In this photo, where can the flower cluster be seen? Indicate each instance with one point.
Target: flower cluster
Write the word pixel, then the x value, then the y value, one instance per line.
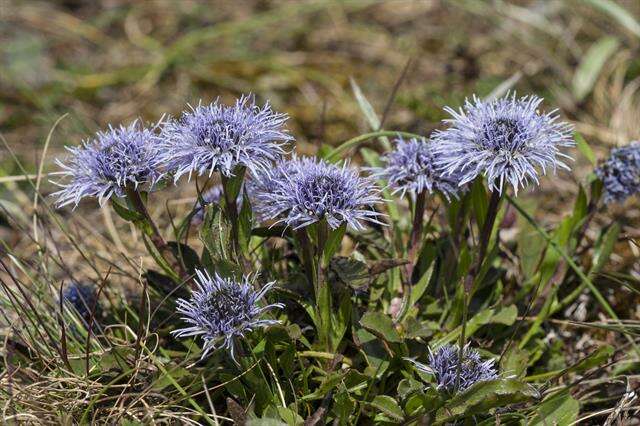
pixel 221 310
pixel 507 140
pixel 620 173
pixel 220 138
pixel 205 139
pixel 106 165
pixel 302 191
pixel 411 167
pixel 444 365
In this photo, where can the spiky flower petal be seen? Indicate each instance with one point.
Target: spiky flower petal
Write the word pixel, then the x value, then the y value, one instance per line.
pixel 507 140
pixel 443 364
pixel 218 137
pixel 302 191
pixel 105 165
pixel 411 167
pixel 620 173
pixel 222 310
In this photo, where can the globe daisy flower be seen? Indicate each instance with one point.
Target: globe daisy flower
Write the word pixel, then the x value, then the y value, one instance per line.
pixel 443 365
pixel 411 168
pixel 620 173
pixel 222 310
pixel 302 191
pixel 217 137
pixel 507 140
pixel 108 163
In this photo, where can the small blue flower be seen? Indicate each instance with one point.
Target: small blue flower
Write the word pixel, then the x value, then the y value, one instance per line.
pixel 299 192
pixel 221 310
pixel 105 165
pixel 507 140
pixel 82 297
pixel 620 173
pixel 443 364
pixel 217 137
pixel 411 167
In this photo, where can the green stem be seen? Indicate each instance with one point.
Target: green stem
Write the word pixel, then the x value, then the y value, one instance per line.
pixel 483 244
pixel 416 232
pixel 154 233
pixel 231 210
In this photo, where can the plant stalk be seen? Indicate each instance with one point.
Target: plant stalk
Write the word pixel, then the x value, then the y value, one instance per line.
pixel 133 195
pixel 483 244
pixel 416 233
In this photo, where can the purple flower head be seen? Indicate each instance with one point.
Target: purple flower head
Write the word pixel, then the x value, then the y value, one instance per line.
pixel 221 310
pixel 507 140
pixel 299 192
pixel 620 173
pixel 218 137
pixel 412 168
pixel 443 364
pixel 103 166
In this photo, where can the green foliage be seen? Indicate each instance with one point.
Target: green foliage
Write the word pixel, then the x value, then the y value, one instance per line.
pixel 353 312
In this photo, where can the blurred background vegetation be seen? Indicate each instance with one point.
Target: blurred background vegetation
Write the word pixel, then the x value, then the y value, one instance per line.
pixel 112 61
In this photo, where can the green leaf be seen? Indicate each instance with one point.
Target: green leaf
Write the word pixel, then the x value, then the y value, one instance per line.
pixel 334 241
pixel 328 383
pixel 233 184
pixel 126 213
pixel 479 201
pixel 365 106
pixel 186 255
pixel 349 271
pixel 340 320
pixel 343 406
pixel 585 149
pixel 484 396
pixel 591 65
pixel 618 13
pixel 604 247
pixel 514 362
pixel 558 410
pixel 506 315
pixel 381 325
pixel 421 286
pixel 245 222
pixel 375 353
pixel 594 359
pixel 388 406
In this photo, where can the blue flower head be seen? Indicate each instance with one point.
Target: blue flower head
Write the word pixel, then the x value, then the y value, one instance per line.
pixel 507 140
pixel 302 191
pixel 620 173
pixel 82 297
pixel 411 167
pixel 443 364
pixel 105 165
pixel 221 310
pixel 218 137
